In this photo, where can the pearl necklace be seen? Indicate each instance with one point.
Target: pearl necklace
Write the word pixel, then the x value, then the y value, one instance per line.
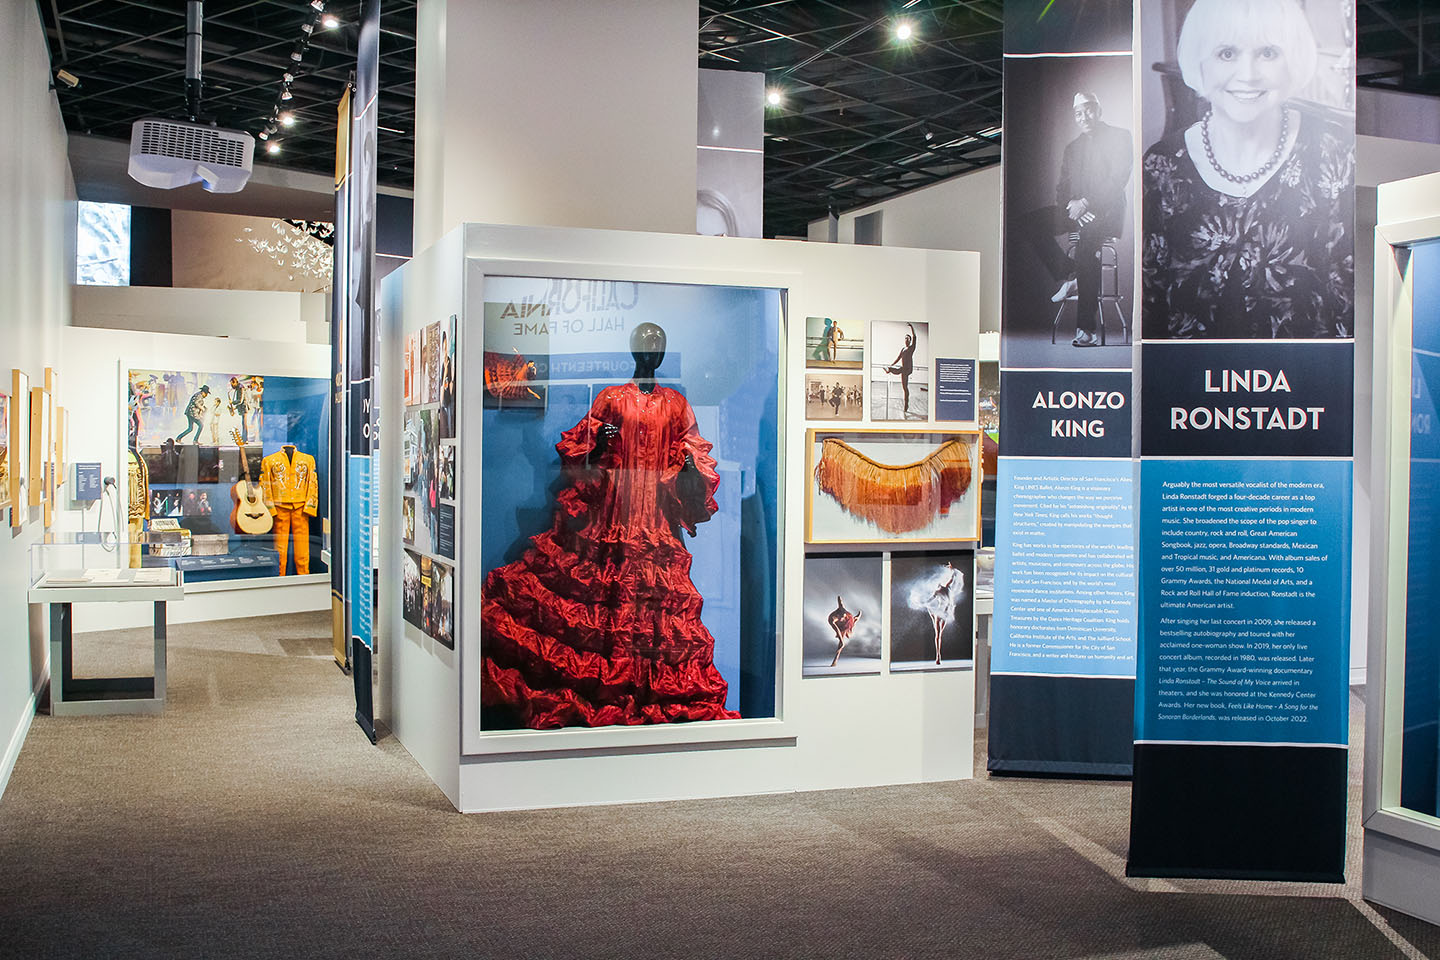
pixel 1257 174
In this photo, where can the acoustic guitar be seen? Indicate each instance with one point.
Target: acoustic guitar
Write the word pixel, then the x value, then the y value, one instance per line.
pixel 249 514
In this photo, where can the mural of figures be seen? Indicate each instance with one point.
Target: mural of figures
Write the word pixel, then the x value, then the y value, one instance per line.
pixel 193 408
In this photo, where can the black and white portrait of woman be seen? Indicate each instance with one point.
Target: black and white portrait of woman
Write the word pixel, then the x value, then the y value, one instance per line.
pixel 1248 188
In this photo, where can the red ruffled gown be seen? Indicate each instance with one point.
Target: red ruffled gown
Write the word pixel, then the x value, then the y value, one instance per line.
pixel 598 623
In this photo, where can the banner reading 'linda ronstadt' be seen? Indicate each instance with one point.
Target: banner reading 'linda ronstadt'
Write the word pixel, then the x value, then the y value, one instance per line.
pixel 1061 688
pixel 1247 320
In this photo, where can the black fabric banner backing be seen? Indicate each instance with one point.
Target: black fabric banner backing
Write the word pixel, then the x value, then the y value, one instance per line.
pixel 1061 680
pixel 1246 424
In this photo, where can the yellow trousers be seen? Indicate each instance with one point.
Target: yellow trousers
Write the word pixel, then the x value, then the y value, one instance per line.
pixel 137 530
pixel 291 518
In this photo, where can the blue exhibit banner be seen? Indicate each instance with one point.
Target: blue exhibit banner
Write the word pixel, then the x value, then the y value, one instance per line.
pixel 359 591
pixel 954 389
pixel 1068 575
pixel 1245 602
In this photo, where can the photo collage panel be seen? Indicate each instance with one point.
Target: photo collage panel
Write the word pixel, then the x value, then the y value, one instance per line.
pixel 428 505
pixel 894 480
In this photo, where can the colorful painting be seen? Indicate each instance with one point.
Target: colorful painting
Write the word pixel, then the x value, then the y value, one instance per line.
pixel 202 409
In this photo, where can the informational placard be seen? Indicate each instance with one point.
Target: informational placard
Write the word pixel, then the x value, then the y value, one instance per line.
pixel 1063 648
pixel 954 389
pixel 1069 573
pixel 1247 603
pixel 87 482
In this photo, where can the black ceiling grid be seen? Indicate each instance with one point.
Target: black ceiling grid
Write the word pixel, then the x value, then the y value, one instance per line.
pixel 130 58
pixel 863 116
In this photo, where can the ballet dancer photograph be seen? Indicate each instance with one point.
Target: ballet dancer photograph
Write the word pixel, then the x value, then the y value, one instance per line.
pixel 932 611
pixel 841 633
pixel 899 370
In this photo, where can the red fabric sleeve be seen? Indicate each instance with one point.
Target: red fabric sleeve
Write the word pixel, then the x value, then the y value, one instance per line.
pixel 575 448
pixel 688 442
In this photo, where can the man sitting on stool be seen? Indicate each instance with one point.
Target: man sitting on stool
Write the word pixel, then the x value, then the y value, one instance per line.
pixel 1090 202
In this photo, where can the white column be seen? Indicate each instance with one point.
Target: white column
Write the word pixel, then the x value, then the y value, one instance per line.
pixel 557 113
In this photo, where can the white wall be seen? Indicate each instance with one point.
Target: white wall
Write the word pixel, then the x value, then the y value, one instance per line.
pixel 269 315
pixel 37 257
pixel 91 392
pixel 962 213
pixel 419 679
pixel 567 112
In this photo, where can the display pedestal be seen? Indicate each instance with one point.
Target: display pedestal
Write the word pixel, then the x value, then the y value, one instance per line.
pixel 72 696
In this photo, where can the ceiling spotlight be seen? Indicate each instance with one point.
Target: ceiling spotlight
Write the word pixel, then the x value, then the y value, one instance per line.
pixel 904 31
pixel 296 55
pixel 772 96
pixel 264 135
pixel 286 94
pixel 319 5
pixel 288 77
pixel 287 119
pixel 330 21
pixel 307 28
pixel 273 146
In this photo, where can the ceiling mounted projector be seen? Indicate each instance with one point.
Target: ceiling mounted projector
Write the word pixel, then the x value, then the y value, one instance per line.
pixel 171 153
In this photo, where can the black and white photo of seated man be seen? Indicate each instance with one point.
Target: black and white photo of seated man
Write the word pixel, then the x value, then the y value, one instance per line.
pixel 1089 212
pixel 1067 126
pixel 1249 185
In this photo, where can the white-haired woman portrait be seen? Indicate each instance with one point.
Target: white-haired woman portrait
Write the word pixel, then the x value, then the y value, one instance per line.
pixel 1248 213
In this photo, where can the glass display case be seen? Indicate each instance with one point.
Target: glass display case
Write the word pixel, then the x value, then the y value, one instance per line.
pixel 1402 725
pixel 76 560
pixel 233 461
pixel 629 535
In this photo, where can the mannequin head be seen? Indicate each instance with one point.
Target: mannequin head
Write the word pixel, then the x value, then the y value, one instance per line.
pixel 647 346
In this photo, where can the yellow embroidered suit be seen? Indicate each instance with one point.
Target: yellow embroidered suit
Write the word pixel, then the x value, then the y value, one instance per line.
pixel 291 487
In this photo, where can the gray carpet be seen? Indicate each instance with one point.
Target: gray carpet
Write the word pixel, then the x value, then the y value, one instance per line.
pixel 253 819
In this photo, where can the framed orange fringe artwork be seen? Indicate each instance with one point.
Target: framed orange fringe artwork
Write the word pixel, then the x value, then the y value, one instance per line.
pixel 879 486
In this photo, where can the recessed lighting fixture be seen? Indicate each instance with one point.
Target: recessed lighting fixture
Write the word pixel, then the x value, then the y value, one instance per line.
pixel 287 119
pixel 273 146
pixel 330 21
pixel 904 31
pixel 772 96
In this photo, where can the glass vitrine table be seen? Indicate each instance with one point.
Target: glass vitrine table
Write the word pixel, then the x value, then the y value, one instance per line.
pixel 83 568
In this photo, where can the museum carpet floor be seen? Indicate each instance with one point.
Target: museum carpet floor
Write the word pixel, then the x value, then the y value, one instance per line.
pixel 253 819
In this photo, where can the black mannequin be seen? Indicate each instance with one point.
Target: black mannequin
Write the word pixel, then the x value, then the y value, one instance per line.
pixel 647 346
